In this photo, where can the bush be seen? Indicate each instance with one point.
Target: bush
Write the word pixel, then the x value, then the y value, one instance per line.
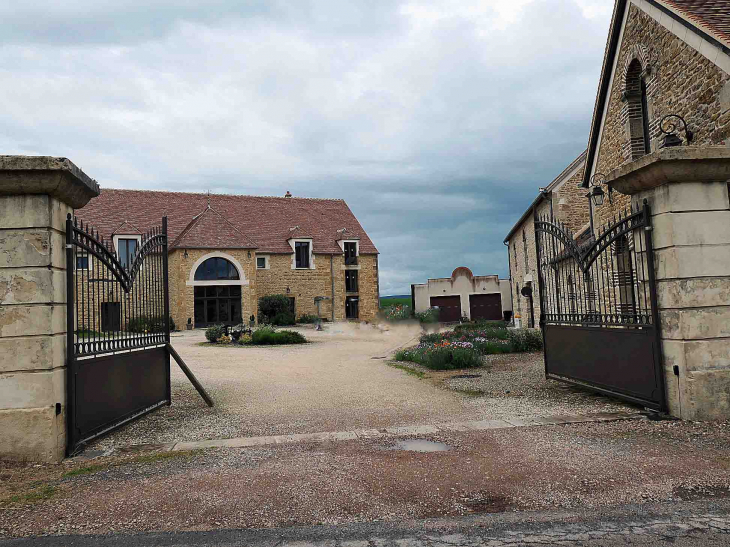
pixel 398 312
pixel 282 319
pixel 275 307
pixel 431 315
pixel 214 332
pixel 441 358
pixel 308 319
pixel 149 323
pixel 525 339
pixel 266 336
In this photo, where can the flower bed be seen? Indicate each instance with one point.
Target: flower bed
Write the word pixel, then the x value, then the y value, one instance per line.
pixel 464 346
pixel 262 336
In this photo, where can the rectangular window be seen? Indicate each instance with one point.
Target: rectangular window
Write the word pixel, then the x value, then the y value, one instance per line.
pixel 351 307
pixel 524 249
pixel 261 262
pixel 126 251
pixel 350 253
pixel 82 261
pixel 351 280
pixel 301 250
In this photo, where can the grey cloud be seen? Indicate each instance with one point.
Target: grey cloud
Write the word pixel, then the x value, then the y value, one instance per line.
pixel 436 134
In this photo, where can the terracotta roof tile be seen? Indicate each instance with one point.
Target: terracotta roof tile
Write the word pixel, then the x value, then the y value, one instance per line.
pixel 264 221
pixel 710 15
pixel 211 229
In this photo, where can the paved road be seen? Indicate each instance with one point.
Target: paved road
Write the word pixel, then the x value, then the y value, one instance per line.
pixel 678 524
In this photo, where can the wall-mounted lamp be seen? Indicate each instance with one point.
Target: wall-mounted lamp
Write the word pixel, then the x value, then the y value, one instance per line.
pixel 249 254
pixel 668 126
pixel 288 290
pixel 185 254
pixel 596 193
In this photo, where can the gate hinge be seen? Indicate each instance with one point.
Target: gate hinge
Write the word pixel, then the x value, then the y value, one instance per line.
pixel 69 245
pixel 647 228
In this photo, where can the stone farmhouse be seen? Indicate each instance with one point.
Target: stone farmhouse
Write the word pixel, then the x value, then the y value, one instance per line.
pixel 227 251
pixel 659 138
pixel 565 200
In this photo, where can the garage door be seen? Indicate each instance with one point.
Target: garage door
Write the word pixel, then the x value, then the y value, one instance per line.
pixel 449 308
pixel 485 306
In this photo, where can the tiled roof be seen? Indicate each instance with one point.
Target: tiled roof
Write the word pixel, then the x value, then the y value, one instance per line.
pixel 713 16
pixel 263 221
pixel 211 229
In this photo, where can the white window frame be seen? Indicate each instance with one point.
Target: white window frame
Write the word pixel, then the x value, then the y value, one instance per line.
pixel 266 262
pixel 292 243
pixel 191 282
pixel 79 253
pixel 117 237
pixel 357 249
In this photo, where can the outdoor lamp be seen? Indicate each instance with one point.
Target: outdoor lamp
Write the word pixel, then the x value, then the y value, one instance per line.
pixel 597 196
pixel 669 125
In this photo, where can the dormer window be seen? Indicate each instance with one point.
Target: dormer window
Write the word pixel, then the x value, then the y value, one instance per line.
pixel 127 247
pixel 301 252
pixel 350 253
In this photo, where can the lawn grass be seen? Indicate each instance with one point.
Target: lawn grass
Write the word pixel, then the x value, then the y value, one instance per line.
pixel 387 301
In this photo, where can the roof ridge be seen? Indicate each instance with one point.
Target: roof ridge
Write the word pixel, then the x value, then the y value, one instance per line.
pixel 199 217
pixel 205 194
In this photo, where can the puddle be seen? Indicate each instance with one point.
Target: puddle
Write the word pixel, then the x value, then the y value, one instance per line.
pixel 420 445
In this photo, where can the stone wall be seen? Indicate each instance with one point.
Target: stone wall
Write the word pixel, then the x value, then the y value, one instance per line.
pixel 691 237
pixel 305 285
pixel 32 327
pixel 680 81
pixel 570 204
pixel 182 303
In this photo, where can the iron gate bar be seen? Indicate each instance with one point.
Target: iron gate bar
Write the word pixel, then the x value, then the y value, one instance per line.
pixel 118 367
pixel 594 302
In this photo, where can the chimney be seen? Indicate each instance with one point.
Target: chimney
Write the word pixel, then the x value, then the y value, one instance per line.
pixel 288 194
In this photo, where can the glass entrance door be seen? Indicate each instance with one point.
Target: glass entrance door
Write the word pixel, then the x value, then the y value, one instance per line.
pixel 218 304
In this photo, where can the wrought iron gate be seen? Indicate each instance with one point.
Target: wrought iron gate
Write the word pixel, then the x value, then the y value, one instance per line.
pixel 598 308
pixel 118 330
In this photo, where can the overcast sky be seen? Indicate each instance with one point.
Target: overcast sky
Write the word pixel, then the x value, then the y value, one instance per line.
pixel 435 120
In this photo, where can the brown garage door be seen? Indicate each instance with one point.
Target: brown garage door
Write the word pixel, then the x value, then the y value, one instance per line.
pixel 449 308
pixel 485 306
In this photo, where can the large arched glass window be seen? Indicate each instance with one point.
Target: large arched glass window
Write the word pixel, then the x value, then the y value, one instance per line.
pixel 216 269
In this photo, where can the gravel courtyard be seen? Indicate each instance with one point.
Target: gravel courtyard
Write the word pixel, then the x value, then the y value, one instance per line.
pixel 342 381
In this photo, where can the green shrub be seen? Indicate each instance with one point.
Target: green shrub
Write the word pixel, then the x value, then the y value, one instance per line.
pixel 431 315
pixel 266 336
pixel 525 339
pixel 441 358
pixel 308 319
pixel 282 319
pixel 214 332
pixel 273 306
pixel 149 323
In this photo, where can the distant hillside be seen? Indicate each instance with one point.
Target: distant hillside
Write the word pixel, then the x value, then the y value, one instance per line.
pixel 395 300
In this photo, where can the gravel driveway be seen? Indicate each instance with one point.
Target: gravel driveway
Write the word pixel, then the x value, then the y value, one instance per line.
pixel 341 381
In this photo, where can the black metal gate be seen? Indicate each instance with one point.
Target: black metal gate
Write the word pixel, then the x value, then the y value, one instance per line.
pixel 598 307
pixel 118 330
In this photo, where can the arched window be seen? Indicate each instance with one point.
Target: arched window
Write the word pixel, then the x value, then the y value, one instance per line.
pixel 216 269
pixel 638 122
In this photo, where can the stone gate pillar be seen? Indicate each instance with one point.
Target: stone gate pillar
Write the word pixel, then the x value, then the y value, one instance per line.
pixel 687 189
pixel 36 193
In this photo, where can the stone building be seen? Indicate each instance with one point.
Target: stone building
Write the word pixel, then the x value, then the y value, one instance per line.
pixel 463 295
pixel 660 136
pixel 566 201
pixel 227 251
pixel 667 58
